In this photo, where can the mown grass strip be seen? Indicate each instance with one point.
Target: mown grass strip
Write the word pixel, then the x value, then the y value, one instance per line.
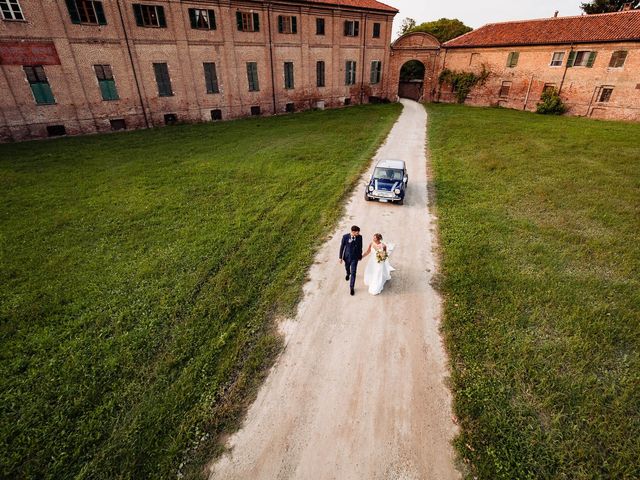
pixel 540 233
pixel 141 274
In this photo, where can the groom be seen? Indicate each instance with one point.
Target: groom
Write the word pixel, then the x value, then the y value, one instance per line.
pixel 351 254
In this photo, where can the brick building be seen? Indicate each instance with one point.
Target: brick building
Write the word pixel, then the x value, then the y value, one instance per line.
pixel 82 66
pixel 593 60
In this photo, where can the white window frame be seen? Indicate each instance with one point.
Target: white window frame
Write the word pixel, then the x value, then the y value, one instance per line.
pixel 11 10
pixel 554 61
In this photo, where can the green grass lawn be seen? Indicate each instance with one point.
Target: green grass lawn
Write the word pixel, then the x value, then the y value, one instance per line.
pixel 540 237
pixel 141 273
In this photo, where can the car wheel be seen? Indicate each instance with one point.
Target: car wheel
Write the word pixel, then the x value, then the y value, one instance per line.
pixel 401 201
pixel 366 197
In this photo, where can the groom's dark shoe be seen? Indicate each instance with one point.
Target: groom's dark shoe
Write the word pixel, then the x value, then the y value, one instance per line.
pixel 353 292
pixel 347 278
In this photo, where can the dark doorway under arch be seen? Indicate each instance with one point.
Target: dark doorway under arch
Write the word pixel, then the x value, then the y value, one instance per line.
pixel 412 80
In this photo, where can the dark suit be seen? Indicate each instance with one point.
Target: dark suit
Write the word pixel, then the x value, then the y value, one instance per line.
pixel 351 254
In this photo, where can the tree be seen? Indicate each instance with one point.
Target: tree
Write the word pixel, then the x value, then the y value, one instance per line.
pixel 607 6
pixel 444 29
pixel 407 25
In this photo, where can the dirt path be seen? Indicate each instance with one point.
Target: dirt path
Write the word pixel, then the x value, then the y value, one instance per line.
pixel 359 391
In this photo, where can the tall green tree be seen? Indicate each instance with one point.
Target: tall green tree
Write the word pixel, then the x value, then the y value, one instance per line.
pixel 607 6
pixel 444 29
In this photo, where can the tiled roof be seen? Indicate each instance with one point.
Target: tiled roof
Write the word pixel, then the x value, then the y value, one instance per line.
pixel 605 27
pixel 364 4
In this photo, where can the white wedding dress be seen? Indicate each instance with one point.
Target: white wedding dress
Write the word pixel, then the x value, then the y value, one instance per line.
pixel 376 274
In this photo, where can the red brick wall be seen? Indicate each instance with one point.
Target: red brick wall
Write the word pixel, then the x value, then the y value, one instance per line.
pixel 580 86
pixel 79 105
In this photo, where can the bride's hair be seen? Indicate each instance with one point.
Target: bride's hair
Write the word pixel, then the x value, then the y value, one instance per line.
pixel 378 237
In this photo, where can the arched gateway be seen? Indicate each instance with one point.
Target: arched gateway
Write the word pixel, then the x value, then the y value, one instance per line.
pixel 414 58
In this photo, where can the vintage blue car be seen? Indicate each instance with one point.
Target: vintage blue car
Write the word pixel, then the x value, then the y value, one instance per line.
pixel 388 182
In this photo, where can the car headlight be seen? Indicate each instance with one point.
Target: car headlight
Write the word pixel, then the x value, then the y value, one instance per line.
pixel 371 188
pixel 397 191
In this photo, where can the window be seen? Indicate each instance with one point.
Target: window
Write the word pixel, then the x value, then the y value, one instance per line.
pixel 149 16
pixel 556 59
pixel 376 72
pixel 351 28
pixel 87 12
pixel 216 114
pixel 618 58
pixel 162 79
pixel 255 111
pixel 376 30
pixel 106 82
pixel 350 73
pixel 248 22
pixel 287 24
pixel 118 124
pixel 252 76
pixel 39 85
pixel 11 10
pixel 211 77
pixel 202 19
pixel 320 82
pixel 548 87
pixel 605 94
pixel 288 75
pixel 319 26
pixel 505 89
pixel 56 130
pixel 512 59
pixel 290 107
pixel 583 58
pixel 170 118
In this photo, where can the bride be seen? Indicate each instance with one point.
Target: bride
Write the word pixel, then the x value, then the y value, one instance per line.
pixel 378 270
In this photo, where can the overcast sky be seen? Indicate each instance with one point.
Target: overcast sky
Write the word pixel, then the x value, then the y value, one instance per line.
pixel 476 13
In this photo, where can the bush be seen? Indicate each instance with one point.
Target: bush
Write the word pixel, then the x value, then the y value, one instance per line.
pixel 463 82
pixel 551 103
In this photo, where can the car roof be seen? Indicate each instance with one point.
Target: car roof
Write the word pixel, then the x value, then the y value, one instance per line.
pixel 391 164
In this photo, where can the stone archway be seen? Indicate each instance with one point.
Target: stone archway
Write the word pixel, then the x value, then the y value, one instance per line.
pixel 419 47
pixel 411 83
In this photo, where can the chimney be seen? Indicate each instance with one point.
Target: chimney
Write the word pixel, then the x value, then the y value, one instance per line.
pixel 627 6
pixel 555 15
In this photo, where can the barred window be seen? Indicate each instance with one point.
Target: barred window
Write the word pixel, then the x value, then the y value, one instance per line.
pixel 605 94
pixel 288 76
pixel 252 76
pixel 11 10
pixel 320 81
pixel 505 88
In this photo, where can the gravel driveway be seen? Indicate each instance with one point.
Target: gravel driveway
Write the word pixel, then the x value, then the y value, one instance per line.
pixel 359 392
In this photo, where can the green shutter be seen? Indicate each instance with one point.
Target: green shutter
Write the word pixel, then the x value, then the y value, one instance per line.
pixel 592 59
pixel 73 11
pixel 280 24
pixel 102 20
pixel 239 20
pixel 192 18
pixel 162 21
pixel 516 56
pixel 572 59
pixel 256 22
pixel 108 90
pixel 346 28
pixel 372 78
pixel 212 19
pixel 42 93
pixel 137 12
pixel 294 24
pixel 356 28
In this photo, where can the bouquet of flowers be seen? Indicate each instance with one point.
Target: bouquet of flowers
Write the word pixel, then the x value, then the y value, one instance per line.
pixel 381 255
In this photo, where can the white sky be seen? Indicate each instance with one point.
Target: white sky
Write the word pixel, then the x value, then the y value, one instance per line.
pixel 476 13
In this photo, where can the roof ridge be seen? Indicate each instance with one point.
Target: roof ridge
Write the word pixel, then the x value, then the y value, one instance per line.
pixel 545 19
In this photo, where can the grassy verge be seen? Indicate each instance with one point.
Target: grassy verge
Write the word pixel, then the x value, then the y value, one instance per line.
pixel 141 273
pixel 539 221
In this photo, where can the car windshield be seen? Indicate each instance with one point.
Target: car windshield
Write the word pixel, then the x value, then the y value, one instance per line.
pixel 388 174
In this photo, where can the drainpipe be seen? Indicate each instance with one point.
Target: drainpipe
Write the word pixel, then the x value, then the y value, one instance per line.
pixel 133 67
pixel 273 73
pixel 594 95
pixel 364 52
pixel 564 74
pixel 526 100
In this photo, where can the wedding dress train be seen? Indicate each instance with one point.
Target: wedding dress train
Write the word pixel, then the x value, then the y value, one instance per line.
pixel 377 273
